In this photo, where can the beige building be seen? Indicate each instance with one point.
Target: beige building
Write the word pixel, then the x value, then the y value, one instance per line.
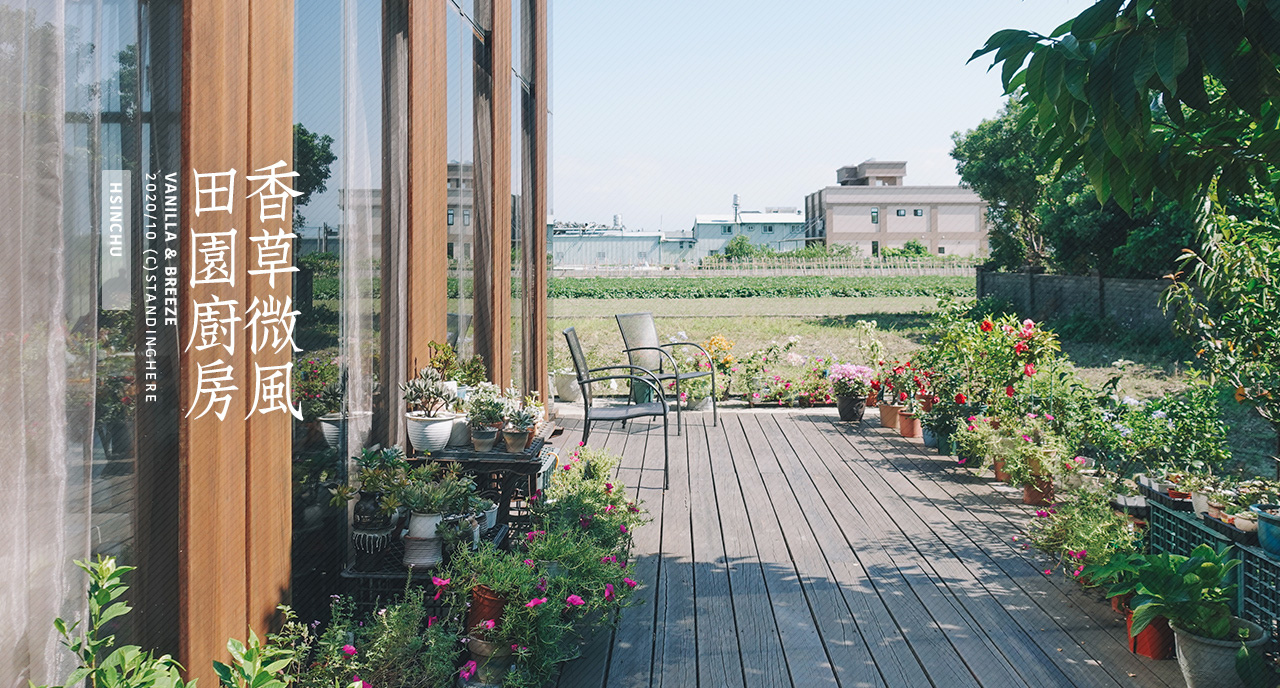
pixel 873 210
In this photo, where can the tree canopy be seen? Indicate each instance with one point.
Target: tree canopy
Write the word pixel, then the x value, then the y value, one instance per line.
pixel 312 157
pixel 1180 97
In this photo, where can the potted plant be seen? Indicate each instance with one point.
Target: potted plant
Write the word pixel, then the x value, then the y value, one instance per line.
pixel 1268 526
pixel 486 513
pixel 1031 452
pixel 485 409
pixel 381 474
pixel 851 385
pixel 470 374
pixel 908 423
pixel 521 421
pixel 429 420
pixel 430 494
pixel 333 422
pixel 566 385
pixel 1120 574
pixel 1191 592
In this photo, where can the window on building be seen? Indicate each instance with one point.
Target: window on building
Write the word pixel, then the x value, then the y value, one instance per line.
pixel 875 216
pixel 875 248
pixel 942 250
pixel 559 256
pixel 642 255
pixel 918 212
pixel 768 229
pixel 726 230
pixel 451 217
pixel 449 250
pixel 466 217
pixel 600 254
pixel 902 212
pixel 466 251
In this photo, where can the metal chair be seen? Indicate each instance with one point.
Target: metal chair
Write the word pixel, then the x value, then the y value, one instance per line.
pixel 636 375
pixel 640 337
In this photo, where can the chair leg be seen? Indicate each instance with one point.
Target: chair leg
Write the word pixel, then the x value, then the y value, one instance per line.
pixel 666 455
pixel 586 431
pixel 679 424
pixel 715 418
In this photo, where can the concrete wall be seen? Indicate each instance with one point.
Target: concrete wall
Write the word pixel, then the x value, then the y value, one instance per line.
pixel 1127 302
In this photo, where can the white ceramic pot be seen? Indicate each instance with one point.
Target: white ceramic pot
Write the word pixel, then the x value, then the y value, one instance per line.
pixel 423 525
pixel 429 434
pixel 1199 503
pixel 1246 521
pixel 331 426
pixel 567 387
pixel 491 518
pixel 422 552
pixel 1208 663
pixel 460 435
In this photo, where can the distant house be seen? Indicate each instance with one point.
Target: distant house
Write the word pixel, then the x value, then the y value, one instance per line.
pixel 580 245
pixel 781 229
pixel 872 209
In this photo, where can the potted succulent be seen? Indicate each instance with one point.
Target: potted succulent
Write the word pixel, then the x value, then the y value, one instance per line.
pixel 852 386
pixel 521 421
pixel 485 408
pixel 430 494
pixel 470 374
pixel 381 474
pixel 429 419
pixel 332 420
pixel 1191 592
pixel 486 513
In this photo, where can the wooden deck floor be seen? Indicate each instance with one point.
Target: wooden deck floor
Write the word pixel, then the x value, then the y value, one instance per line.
pixel 791 550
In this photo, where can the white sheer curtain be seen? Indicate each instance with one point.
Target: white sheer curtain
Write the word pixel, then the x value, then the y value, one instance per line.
pixel 44 505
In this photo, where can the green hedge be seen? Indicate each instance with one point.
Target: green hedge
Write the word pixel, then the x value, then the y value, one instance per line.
pixel 755 287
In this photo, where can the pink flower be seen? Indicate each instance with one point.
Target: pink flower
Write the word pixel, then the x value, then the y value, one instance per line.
pixel 608 592
pixel 961 461
pixel 355 680
pixel 623 529
pixel 1041 513
pixel 533 535
pixel 574 600
pixel 1048 571
pixel 489 624
pixel 1028 324
pixel 971 428
pixel 431 620
pixel 468 670
pixel 535 602
pixel 609 507
pixel 441 584
pixel 1029 369
pixel 1026 438
pixel 608 487
pixel 1009 391
pixel 630 583
pixel 568 466
pixel 529 563
pixel 349 650
pixel 542 585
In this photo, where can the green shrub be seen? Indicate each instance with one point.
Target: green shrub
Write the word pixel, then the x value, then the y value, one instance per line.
pixel 756 287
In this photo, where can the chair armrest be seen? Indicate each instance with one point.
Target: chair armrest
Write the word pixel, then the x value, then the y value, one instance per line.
pixel 696 346
pixel 660 350
pixel 645 371
pixel 634 378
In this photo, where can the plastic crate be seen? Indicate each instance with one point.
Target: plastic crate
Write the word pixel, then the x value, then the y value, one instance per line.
pixel 1260 588
pixel 1158 497
pixel 1235 534
pixel 1177 532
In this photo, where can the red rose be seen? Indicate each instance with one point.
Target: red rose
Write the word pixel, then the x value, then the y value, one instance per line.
pixel 1029 370
pixel 1019 348
pixel 961 399
pixel 875 384
pixel 1008 391
pixel 987 326
pixel 902 396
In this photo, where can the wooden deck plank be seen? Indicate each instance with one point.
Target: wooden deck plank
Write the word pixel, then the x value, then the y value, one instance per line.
pixel 631 663
pixel 994 518
pixel 760 645
pixel 802 644
pixel 893 656
pixel 846 649
pixel 719 660
pixel 949 555
pixel 933 642
pixel 675 654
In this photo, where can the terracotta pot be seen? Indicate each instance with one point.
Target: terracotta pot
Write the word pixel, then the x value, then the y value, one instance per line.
pixel 1039 494
pixel 485 605
pixel 998 465
pixel 908 424
pixel 926 402
pixel 888 416
pixel 1155 641
pixel 1120 603
pixel 871 400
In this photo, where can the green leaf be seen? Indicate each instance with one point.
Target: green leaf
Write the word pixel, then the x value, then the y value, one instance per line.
pixel 1143 616
pixel 1170 57
pixel 117 609
pixel 999 40
pixel 1090 22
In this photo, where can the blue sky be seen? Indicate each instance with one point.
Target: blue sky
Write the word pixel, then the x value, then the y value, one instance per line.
pixel 664 109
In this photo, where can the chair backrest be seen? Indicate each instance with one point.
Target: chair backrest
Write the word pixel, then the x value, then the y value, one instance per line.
pixel 638 329
pixel 579 363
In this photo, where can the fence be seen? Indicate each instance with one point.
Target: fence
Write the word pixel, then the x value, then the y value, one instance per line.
pixel 1127 302
pixel 958 266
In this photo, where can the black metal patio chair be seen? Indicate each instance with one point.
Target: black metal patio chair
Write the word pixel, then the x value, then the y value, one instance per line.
pixel 612 414
pixel 640 337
